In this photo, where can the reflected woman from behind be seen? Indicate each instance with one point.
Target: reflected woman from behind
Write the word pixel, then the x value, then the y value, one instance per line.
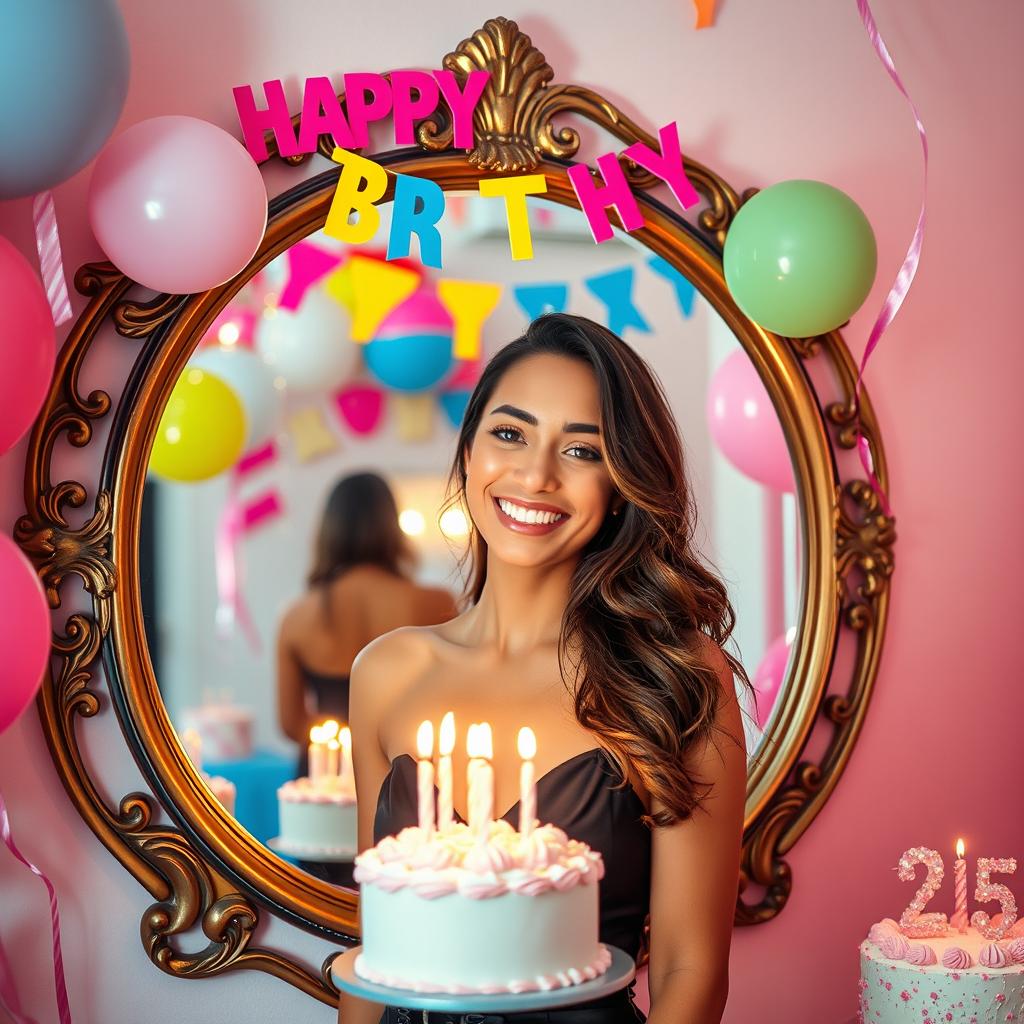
pixel 359 587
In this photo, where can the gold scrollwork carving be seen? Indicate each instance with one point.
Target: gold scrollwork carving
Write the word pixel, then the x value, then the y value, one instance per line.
pixel 848 564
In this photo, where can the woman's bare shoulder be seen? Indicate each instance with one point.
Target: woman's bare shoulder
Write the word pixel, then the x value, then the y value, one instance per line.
pixel 389 663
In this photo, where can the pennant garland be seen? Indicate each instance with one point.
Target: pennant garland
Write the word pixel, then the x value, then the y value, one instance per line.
pixel 537 299
pixel 307 264
pixel 469 303
pixel 615 290
pixel 311 436
pixel 414 416
pixel 686 293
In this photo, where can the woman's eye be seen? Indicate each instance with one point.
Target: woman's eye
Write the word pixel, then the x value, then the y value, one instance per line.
pixel 587 452
pixel 500 432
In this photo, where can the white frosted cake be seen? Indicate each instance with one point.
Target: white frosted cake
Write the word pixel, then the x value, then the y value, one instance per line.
pixel 317 820
pixel 456 913
pixel 223 789
pixel 962 976
pixel 225 730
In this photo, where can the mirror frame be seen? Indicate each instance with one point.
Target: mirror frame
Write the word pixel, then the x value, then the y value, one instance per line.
pixel 203 868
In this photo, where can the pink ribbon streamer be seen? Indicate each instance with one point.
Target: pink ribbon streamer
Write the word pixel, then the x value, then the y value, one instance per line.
pixel 51 263
pixel 905 277
pixel 231 607
pixel 7 992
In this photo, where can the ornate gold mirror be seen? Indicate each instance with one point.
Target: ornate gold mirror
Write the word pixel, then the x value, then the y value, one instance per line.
pixel 202 866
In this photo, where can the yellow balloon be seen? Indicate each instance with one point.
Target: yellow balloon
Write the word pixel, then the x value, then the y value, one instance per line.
pixel 202 430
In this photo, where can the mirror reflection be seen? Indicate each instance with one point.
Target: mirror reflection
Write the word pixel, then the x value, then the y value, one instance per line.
pixel 313 517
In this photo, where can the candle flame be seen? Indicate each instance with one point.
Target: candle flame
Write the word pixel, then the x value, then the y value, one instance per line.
pixel 479 742
pixel 527 744
pixel 316 734
pixel 447 739
pixel 425 740
pixel 345 738
pixel 329 729
pixel 960 849
pixel 332 744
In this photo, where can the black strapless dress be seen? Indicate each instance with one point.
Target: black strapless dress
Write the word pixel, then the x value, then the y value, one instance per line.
pixel 579 797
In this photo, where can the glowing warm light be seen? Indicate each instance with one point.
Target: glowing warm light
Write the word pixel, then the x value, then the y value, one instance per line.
pixel 228 334
pixel 270 299
pixel 527 744
pixel 315 735
pixel 446 742
pixel 411 522
pixel 453 523
pixel 960 849
pixel 329 729
pixel 270 312
pixel 425 740
pixel 345 738
pixel 479 742
pixel 195 376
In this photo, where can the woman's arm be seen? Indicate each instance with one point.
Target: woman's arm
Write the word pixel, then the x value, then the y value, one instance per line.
pixel 291 693
pixel 695 878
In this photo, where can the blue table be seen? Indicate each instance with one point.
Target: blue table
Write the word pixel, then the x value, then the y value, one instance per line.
pixel 257 780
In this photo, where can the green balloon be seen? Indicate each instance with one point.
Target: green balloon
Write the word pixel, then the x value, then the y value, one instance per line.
pixel 800 258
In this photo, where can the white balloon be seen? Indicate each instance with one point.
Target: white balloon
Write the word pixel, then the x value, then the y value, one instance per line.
pixel 250 378
pixel 309 349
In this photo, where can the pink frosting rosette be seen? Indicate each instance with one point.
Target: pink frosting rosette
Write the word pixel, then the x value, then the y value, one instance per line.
pixel 920 955
pixel 1015 950
pixel 956 959
pixel 879 930
pixel 894 946
pixel 487 858
pixel 993 955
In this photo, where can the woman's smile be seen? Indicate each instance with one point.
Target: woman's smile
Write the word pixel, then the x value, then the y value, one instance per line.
pixel 532 519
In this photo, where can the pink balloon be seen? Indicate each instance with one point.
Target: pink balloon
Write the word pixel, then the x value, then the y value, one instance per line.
pixel 24 632
pixel 234 325
pixel 421 313
pixel 745 425
pixel 177 204
pixel 28 345
pixel 771 674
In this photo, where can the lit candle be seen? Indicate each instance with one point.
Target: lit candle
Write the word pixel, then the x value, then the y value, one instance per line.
pixel 332 764
pixel 425 776
pixel 445 800
pixel 472 796
pixel 959 918
pixel 485 781
pixel 193 744
pixel 527 781
pixel 317 754
pixel 348 777
pixel 329 730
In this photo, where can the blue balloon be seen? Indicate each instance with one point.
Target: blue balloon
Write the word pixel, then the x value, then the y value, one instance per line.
pixel 63 80
pixel 454 404
pixel 410 362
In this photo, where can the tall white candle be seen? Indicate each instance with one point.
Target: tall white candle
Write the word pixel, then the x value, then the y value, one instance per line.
pixel 348 778
pixel 317 755
pixel 473 776
pixel 445 798
pixel 527 781
pixel 425 776
pixel 332 764
pixel 485 781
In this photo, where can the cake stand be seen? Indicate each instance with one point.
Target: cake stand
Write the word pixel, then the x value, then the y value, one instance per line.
pixel 309 853
pixel 619 974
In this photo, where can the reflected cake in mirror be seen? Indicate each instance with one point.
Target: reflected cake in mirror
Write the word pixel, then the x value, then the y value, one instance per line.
pixel 317 812
pixel 224 729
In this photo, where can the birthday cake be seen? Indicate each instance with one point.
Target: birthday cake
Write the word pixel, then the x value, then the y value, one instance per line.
pixel 316 820
pixel 317 813
pixel 225 730
pixel 930 970
pixel 504 913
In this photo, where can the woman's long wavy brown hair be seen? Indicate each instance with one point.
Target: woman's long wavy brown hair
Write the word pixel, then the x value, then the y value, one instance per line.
pixel 642 600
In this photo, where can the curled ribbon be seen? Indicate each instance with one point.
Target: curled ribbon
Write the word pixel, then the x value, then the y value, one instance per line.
pixel 7 992
pixel 905 277
pixel 51 262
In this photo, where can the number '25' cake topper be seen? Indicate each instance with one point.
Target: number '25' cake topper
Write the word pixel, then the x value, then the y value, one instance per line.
pixel 419 203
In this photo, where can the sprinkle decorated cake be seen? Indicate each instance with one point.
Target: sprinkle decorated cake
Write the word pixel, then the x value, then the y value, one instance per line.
pixel 930 970
pixel 505 913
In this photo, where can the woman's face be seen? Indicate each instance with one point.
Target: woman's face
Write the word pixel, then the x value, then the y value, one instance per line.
pixel 537 483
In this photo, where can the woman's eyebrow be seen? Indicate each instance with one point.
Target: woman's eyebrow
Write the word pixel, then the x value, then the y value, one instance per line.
pixel 526 417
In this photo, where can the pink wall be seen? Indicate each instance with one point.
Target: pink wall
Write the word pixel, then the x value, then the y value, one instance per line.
pixel 787 89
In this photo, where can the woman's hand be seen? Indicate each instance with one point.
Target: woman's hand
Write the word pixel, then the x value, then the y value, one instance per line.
pixel 695 877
